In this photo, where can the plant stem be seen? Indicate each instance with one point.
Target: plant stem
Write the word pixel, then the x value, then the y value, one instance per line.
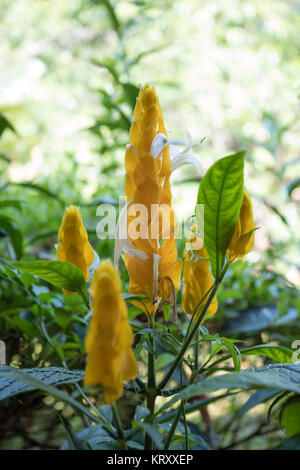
pixel 188 339
pixel 173 428
pixel 117 420
pixel 196 349
pixel 151 392
pixel 191 335
pixel 185 425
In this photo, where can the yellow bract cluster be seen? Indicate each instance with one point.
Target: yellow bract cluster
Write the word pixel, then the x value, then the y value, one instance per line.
pixel 243 236
pixel 148 183
pixel 73 245
pixel 198 280
pixel 197 276
pixel 108 342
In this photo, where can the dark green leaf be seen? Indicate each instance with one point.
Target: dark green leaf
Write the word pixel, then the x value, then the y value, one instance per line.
pixel 275 376
pixel 291 417
pixel 259 318
pixel 14 381
pixel 5 124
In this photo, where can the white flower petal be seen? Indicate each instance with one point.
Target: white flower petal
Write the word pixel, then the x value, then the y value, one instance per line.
pixel 173 151
pixel 133 253
pixel 159 142
pixel 185 159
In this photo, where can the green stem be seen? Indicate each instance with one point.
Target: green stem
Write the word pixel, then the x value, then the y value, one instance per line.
pixel 191 335
pixel 173 428
pixel 188 339
pixel 196 350
pixel 185 425
pixel 117 420
pixel 151 392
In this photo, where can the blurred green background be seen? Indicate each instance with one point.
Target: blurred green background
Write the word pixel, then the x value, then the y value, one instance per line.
pixel 69 76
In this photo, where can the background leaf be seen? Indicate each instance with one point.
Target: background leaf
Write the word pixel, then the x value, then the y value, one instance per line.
pixel 11 379
pixel 59 273
pixel 274 376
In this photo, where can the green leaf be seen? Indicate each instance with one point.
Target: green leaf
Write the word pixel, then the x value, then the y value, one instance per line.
pixel 273 351
pixel 278 353
pixel 14 381
pixel 261 396
pixel 292 443
pixel 164 360
pixel 141 413
pixel 37 187
pixel 275 376
pixel 94 437
pixel 259 318
pixel 291 418
pixel 16 239
pixel 293 185
pixel 5 124
pixel 221 192
pixel 153 432
pixel 28 328
pixel 16 203
pixel 131 92
pixel 75 443
pixel 61 274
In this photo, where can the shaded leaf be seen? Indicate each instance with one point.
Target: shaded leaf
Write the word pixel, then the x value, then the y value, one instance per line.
pixel 275 376
pixel 259 318
pixel 61 274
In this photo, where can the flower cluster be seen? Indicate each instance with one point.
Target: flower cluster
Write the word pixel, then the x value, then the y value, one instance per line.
pixel 153 267
pixel 73 245
pixel 108 342
pixel 197 279
pixel 151 261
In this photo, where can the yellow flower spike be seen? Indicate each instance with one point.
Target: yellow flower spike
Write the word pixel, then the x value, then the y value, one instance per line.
pixel 242 241
pixel 198 280
pixel 73 245
pixel 108 343
pixel 148 182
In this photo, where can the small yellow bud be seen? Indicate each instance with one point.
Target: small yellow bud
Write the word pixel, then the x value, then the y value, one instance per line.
pixel 243 237
pixel 108 342
pixel 198 280
pixel 73 245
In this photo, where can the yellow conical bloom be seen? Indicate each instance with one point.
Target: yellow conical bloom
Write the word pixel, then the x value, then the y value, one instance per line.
pixel 242 241
pixel 108 342
pixel 73 245
pixel 148 169
pixel 198 280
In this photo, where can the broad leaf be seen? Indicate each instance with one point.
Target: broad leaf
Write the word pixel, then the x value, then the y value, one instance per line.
pixel 94 437
pixel 273 351
pixel 259 318
pixel 275 376
pixel 221 192
pixel 292 443
pixel 11 379
pixel 261 396
pixel 291 417
pixel 59 273
pixel 14 381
